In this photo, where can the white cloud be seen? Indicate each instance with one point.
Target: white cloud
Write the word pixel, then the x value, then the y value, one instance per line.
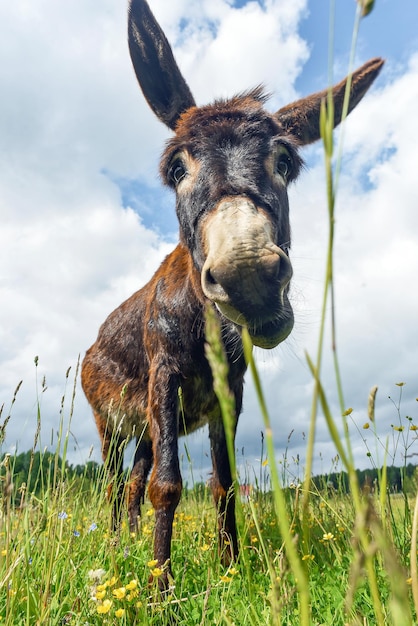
pixel 69 252
pixel 216 31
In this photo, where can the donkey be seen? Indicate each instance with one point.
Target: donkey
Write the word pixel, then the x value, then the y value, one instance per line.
pixel 229 164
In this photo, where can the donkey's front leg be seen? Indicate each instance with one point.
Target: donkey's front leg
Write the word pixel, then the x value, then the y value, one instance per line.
pixel 223 492
pixel 165 482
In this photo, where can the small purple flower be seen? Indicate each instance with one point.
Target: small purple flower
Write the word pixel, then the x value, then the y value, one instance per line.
pixel 62 515
pixel 76 533
pixel 92 527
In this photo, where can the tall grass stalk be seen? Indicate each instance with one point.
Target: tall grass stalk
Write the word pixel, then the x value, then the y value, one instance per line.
pixel 326 127
pixel 414 548
pixel 344 448
pixel 216 356
pixel 301 578
pixel 218 362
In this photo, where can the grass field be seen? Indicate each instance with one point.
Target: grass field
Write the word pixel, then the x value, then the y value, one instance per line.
pixel 60 564
pixel 310 553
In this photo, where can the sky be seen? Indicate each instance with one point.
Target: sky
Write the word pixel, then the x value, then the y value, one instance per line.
pixel 84 220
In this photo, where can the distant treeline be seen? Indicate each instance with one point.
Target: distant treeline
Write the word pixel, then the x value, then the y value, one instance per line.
pixel 34 473
pixel 399 479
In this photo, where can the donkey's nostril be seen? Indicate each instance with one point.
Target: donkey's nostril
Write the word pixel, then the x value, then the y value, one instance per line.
pixel 210 280
pixel 211 286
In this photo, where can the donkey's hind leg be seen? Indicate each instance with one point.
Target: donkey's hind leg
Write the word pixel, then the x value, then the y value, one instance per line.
pixel 138 481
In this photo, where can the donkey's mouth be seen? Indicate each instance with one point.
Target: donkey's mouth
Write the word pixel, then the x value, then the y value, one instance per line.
pixel 268 326
pixel 270 334
pixel 267 334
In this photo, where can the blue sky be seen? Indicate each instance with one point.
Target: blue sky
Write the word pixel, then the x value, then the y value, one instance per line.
pixel 389 31
pixel 85 221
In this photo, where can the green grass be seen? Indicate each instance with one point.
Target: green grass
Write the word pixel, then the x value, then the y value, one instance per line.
pixel 60 564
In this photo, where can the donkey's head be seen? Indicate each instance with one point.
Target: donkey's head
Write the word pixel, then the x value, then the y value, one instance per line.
pixel 230 164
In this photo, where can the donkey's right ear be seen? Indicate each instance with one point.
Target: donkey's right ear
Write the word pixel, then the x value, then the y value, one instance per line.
pixel 157 72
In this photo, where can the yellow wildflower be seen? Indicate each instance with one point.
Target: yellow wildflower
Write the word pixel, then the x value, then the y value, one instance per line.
pixel 156 572
pixel 132 595
pixel 120 612
pixel 132 585
pixel 226 579
pixel 205 547
pixel 119 593
pixel 366 425
pixel 327 536
pixel 100 594
pixel 150 512
pixel 104 607
pixel 413 427
pixel 152 563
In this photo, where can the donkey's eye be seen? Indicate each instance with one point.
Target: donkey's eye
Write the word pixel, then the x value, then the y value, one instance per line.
pixel 284 164
pixel 177 172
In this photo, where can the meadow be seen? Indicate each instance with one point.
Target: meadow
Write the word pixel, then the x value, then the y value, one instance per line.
pixel 311 553
pixel 321 554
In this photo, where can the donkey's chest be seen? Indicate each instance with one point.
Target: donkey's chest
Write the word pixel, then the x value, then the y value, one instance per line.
pixel 188 398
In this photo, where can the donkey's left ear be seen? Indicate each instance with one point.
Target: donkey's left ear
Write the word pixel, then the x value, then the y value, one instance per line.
pixel 301 118
pixel 157 72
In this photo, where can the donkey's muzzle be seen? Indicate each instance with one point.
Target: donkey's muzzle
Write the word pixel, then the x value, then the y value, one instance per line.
pixel 245 273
